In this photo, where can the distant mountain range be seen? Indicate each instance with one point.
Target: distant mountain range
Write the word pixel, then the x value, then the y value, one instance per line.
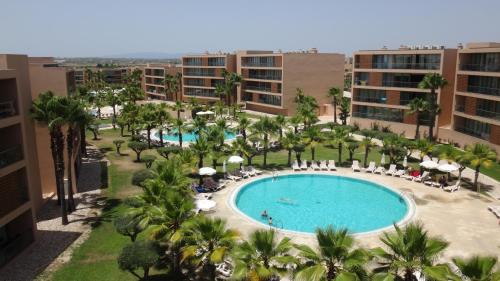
pixel 146 55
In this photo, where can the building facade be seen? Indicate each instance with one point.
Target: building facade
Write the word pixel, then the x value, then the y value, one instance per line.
pixel 110 75
pixel 476 110
pixel 201 73
pixel 385 81
pixel 153 82
pixel 20 192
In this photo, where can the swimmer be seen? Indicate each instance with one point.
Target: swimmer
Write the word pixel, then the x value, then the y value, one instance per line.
pixel 264 214
pixel 270 221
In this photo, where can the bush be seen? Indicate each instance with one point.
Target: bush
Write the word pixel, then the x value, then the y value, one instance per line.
pixel 139 177
pixel 148 160
pixel 138 147
pixel 127 226
pixel 165 151
pixel 139 254
pixel 118 145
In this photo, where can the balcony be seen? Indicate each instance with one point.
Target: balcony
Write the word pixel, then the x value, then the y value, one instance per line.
pixel 481 67
pixel 483 90
pixel 200 73
pixel 264 77
pixel 460 107
pixel 416 66
pixel 379 116
pixel 257 88
pixel 10 156
pixel 381 100
pixel 488 114
pixel 7 109
pixel 399 84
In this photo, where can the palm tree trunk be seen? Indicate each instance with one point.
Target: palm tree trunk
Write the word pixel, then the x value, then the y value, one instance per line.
pixel 335 110
pixel 83 142
pixel 289 157
pixel 161 137
pixel 417 130
pixel 146 273
pixel 366 156
pixel 476 176
pixel 69 142
pixel 149 138
pixel 180 138
pixel 214 163
pixel 340 154
pixel 114 117
pixel 200 162
pixel 313 153
pixel 265 150
pixel 58 144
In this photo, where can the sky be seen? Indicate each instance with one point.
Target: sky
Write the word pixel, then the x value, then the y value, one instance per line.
pixel 65 28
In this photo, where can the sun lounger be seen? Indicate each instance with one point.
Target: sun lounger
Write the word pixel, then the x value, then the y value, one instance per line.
pixel 303 165
pixel 323 166
pixel 495 210
pixel 248 171
pixel 295 166
pixel 371 167
pixel 331 165
pixel 432 183
pixel 314 166
pixel 256 171
pixel 379 170
pixel 422 177
pixel 203 196
pixel 391 171
pixel 233 177
pixel 453 188
pixel 355 166
pixel 399 173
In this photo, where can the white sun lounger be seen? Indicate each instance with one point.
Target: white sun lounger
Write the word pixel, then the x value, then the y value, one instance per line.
pixel 303 165
pixel 355 166
pixel 256 171
pixel 379 170
pixel 432 183
pixel 399 173
pixel 495 210
pixel 314 166
pixel 233 177
pixel 422 177
pixel 295 166
pixel 391 171
pixel 371 167
pixel 453 188
pixel 323 166
pixel 331 165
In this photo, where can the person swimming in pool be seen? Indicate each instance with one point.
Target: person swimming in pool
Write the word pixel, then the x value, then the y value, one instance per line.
pixel 264 214
pixel 270 221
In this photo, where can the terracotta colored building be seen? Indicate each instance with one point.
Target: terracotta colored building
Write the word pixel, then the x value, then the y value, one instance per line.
pixel 153 81
pixel 20 191
pixel 110 75
pixel 385 81
pixel 476 111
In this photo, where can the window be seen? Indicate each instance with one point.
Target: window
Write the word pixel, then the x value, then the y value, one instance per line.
pixel 379 113
pixel 406 97
pixel 475 128
pixel 369 95
pixel 487 108
pixel 219 61
pixel 484 85
pixel 270 99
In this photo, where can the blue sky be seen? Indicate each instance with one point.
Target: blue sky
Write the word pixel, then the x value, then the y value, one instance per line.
pixel 110 27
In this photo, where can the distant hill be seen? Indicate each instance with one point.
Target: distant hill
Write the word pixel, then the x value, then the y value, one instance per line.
pixel 146 55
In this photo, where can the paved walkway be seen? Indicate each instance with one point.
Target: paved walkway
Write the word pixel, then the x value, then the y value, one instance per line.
pixel 461 217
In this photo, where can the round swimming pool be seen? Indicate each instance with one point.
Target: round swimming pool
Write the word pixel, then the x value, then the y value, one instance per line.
pixel 304 202
pixel 189 136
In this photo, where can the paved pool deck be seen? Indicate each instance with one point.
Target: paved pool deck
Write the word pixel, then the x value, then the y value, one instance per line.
pixel 462 217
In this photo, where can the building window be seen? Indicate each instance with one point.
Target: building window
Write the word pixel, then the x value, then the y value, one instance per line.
pixel 270 99
pixel 266 74
pixel 200 92
pixel 474 128
pixel 489 62
pixel 484 85
pixel 487 108
pixel 406 97
pixel 421 61
pixel 219 61
pixel 369 95
pixel 379 113
pixel 199 72
pixel 259 61
pixel 192 61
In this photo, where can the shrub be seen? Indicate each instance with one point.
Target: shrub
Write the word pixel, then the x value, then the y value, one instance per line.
pixel 139 254
pixel 355 126
pixel 148 160
pixel 118 145
pixel 375 126
pixel 127 226
pixel 138 147
pixel 139 177
pixel 165 151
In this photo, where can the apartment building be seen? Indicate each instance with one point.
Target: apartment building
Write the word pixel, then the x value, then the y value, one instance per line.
pixel 153 82
pixel 201 73
pixel 385 81
pixel 47 75
pixel 20 193
pixel 110 75
pixel 476 111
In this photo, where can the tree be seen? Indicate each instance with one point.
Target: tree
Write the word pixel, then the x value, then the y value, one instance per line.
pixel 127 226
pixel 243 124
pixel 410 249
pixel 262 257
pixel 289 142
pixel 138 147
pixel 133 90
pixel 121 122
pixel 281 123
pixel 51 111
pixel 112 99
pixel 148 115
pixel 351 147
pixel 139 254
pixel 312 137
pixel 335 259
pixel 163 118
pixel 226 88
pixel 393 146
pixel 478 268
pixel 433 82
pixel 178 106
pixel 179 127
pixel 148 160
pixel 208 242
pixel 165 151
pixel 200 147
pixel 341 138
pixel 243 148
pixel 336 94
pixel 425 147
pixel 417 107
pixel 345 109
pixel 118 144
pixel 479 155
pixel 172 85
pixel 264 128
pixel 307 107
pixel 367 144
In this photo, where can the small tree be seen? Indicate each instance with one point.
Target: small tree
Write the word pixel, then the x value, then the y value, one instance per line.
pixel 351 147
pixel 138 147
pixel 140 254
pixel 148 160
pixel 118 145
pixel 345 109
pixel 166 151
pixel 128 226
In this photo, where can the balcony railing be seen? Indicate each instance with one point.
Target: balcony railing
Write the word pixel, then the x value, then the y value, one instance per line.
pixel 472 132
pixel 460 107
pixel 488 113
pixel 483 90
pixel 7 109
pixel 417 66
pixel 481 67
pixel 257 64
pixel 257 88
pixel 199 73
pixel 399 84
pixel 265 77
pixel 378 116
pixel 11 155
pixel 370 99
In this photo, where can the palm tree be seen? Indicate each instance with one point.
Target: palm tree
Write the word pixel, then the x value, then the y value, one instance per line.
pixel 172 173
pixel 179 127
pixel 281 123
pixel 312 137
pixel 262 257
pixel 425 147
pixel 148 115
pixel 306 108
pixel 410 250
pixel 295 121
pixel 417 107
pixel 341 138
pixel 112 99
pixel 178 106
pixel 352 145
pixel 264 128
pixel 335 258
pixel 243 124
pixel 433 82
pixel 478 268
pixel 51 111
pixel 335 93
pixel 226 89
pixel 163 118
pixel 201 147
pixel 479 155
pixel 367 143
pixel 345 109
pixel 289 142
pixel 172 85
pixel 207 242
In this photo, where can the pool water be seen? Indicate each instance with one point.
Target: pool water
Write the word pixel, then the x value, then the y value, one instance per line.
pixel 308 201
pixel 189 137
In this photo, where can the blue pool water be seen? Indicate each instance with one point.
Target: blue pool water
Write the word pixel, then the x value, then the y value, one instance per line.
pixel 308 201
pixel 190 137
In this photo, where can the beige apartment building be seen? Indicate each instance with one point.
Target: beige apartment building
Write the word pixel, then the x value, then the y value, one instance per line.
pixel 269 79
pixel 476 110
pixel 110 75
pixel 385 81
pixel 20 192
pixel 201 73
pixel 153 82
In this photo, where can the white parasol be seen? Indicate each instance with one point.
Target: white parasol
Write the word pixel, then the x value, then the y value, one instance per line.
pixel 201 113
pixel 205 205
pixel 235 159
pixel 447 168
pixel 207 171
pixel 429 164
pixel 382 160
